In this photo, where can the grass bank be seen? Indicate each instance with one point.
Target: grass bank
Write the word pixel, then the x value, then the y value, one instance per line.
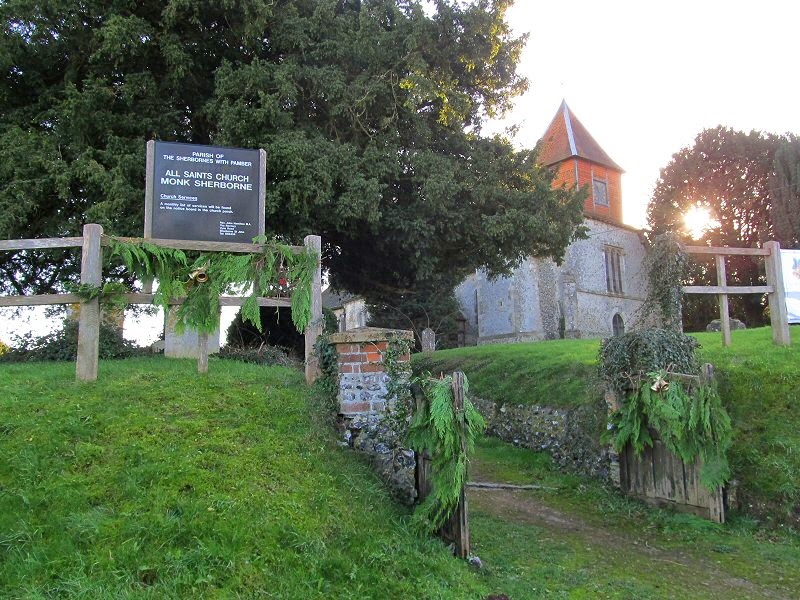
pixel 582 540
pixel 759 384
pixel 157 483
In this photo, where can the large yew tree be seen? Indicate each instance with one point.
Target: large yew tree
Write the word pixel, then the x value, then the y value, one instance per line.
pixel 727 172
pixel 370 112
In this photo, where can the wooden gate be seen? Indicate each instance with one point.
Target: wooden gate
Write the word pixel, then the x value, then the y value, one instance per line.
pixel 660 478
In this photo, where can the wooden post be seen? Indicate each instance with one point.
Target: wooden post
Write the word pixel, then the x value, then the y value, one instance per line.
pixel 313 243
pixel 724 314
pixel 458 525
pixel 423 471
pixel 89 320
pixel 202 353
pixel 150 162
pixel 779 318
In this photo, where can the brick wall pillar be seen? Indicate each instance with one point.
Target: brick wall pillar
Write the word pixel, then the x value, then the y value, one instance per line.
pixel 362 373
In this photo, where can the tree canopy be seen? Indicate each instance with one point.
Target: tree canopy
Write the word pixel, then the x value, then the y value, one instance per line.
pixel 370 112
pixel 785 192
pixel 728 173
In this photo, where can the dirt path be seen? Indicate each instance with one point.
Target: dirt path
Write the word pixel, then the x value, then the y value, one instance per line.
pixel 526 508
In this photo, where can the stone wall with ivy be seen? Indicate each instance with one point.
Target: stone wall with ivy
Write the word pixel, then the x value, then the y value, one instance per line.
pixel 370 383
pixel 570 436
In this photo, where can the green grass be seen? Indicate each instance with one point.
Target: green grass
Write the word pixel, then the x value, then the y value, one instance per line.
pixel 759 383
pixel 559 373
pixel 604 545
pixel 157 483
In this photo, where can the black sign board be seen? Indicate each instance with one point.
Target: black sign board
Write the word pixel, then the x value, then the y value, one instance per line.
pixel 206 193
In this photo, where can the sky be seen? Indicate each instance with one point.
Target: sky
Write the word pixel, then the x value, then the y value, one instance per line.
pixel 646 77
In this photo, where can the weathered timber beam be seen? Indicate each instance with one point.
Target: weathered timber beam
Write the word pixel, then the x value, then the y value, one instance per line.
pixel 728 289
pixel 39 300
pixel 45 299
pixel 481 485
pixel 198 245
pixel 223 300
pixel 725 251
pixel 41 243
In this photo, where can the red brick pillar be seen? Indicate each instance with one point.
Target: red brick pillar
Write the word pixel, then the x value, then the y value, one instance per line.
pixel 362 373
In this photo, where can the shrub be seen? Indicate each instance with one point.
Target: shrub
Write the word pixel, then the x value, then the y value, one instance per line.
pixel 264 355
pixel 626 360
pixel 63 345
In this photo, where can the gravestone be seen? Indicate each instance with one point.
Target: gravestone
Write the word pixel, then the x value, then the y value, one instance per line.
pixel 187 344
pixel 716 325
pixel 428 339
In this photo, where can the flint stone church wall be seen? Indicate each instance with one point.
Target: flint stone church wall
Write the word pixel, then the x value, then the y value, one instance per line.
pixel 543 301
pixel 570 436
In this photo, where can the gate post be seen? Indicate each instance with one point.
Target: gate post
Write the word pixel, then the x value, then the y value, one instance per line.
pixel 313 243
pixel 457 527
pixel 89 320
pixel 779 318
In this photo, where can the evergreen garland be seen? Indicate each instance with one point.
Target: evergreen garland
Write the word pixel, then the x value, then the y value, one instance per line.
pixel 690 425
pixel 274 271
pixel 110 293
pixel 439 430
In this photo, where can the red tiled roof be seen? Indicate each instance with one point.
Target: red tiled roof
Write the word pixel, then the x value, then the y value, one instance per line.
pixel 567 137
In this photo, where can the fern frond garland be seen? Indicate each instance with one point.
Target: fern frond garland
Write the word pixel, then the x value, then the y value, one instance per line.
pixel 276 269
pixel 438 430
pixel 690 425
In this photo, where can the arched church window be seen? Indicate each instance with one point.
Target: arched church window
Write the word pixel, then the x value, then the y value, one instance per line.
pixel 618 325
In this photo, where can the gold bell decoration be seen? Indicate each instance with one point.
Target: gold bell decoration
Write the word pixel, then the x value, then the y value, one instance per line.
pixel 660 385
pixel 199 275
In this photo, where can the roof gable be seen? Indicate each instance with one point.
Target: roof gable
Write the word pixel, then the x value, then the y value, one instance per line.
pixel 566 137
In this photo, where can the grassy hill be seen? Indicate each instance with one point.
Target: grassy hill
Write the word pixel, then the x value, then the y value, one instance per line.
pixel 157 483
pixel 759 384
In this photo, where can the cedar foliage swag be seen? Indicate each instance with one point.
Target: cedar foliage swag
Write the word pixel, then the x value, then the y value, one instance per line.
pixel 439 430
pixel 274 271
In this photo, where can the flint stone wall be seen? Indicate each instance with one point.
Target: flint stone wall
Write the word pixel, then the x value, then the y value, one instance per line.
pixel 570 436
pixel 365 407
pixel 362 374
pixel 375 436
pixel 542 301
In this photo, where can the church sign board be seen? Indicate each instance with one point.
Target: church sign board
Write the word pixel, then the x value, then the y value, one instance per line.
pixel 204 193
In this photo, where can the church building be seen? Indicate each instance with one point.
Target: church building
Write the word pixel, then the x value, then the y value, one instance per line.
pixel 599 287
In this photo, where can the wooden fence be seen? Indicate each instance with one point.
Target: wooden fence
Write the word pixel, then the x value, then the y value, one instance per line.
pixel 660 478
pixel 91 245
pixel 456 529
pixel 774 289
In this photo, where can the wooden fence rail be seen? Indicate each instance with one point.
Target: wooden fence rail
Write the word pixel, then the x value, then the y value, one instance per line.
pixel 776 294
pixel 91 245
